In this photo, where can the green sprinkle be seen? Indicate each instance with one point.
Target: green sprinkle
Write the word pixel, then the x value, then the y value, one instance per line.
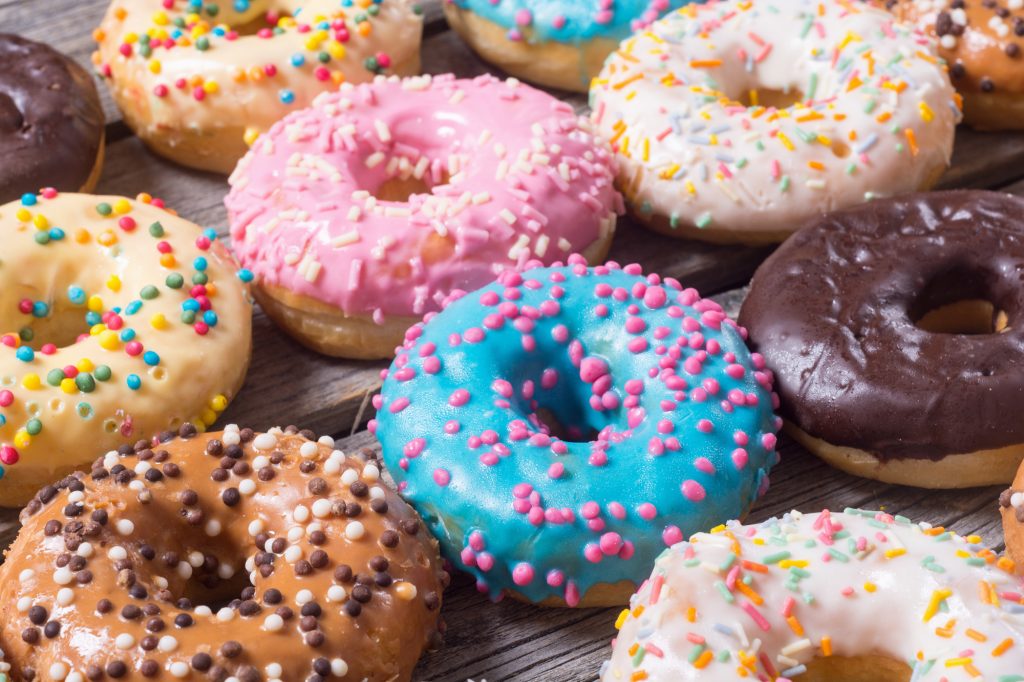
pixel 85 382
pixel 200 278
pixel 724 591
pixel 723 656
pixel 156 230
pixel 695 653
pixel 839 556
pixel 175 280
pixel 776 558
pixel 101 373
pixel 673 221
pixel 806 28
pixel 104 209
pixel 54 377
pixel 813 89
pixel 784 183
pixel 26 334
pixel 42 237
pixel 703 220
pixel 729 561
pixel 33 426
pixel 149 292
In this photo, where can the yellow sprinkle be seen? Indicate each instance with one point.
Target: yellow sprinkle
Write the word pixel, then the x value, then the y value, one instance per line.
pixel 786 141
pixel 68 386
pixel 40 222
pixel 109 340
pixel 953 662
pixel 122 206
pixel 158 321
pixel 154 66
pixel 250 135
pixel 114 283
pixel 210 87
pixel 95 304
pixel 219 403
pixel 336 49
pixel 107 238
pixel 22 439
pixel 620 621
pixel 938 596
pixel 208 416
pixel 870 587
pixel 85 365
pixel 31 381
pixel 23 214
pixel 896 552
pixel 926 112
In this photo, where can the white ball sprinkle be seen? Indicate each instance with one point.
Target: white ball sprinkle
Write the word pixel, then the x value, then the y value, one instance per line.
pixel 196 559
pixel 1017 499
pixel 125 526
pixel 24 604
pixel 179 669
pixel 349 477
pixel 75 676
pixel 301 513
pixel 303 597
pixel 295 534
pixel 273 623
pixel 65 596
pixel 332 467
pixel 137 485
pixel 274 670
pixel 167 644
pixel 85 550
pixel 339 668
pixel 203 610
pixel 225 614
pixel 160 582
pixel 26 575
pixel 322 508
pixel 256 527
pixel 76 496
pixel 260 461
pixel 247 487
pixel 124 641
pixel 377 493
pixel 184 570
pixel 58 671
pixel 231 427
pixel 265 441
pixel 231 438
pixel 142 467
pixel 336 593
pixel 308 449
pixel 63 576
pixel 117 553
pixel 326 440
pixel 355 530
pixel 293 554
pixel 371 472
pixel 225 571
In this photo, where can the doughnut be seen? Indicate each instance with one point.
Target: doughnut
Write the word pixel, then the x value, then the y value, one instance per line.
pixel 359 215
pixel 198 81
pixel 557 43
pixel 51 121
pixel 739 120
pixel 893 332
pixel 117 320
pixel 277 558
pixel 598 412
pixel 982 41
pixel 860 596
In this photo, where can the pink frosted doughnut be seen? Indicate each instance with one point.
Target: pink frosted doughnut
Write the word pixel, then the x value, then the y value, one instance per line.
pixel 362 213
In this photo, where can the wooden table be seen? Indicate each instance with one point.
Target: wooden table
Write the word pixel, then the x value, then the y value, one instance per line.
pixel 288 384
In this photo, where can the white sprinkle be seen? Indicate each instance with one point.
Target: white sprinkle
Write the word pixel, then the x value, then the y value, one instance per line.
pixel 374 160
pixel 225 614
pixel 124 641
pixel 371 472
pixel 160 582
pixel 260 461
pixel 564 244
pixel 213 528
pixel 377 493
pixel 355 530
pixel 256 527
pixel 75 676
pixel 308 449
pixel 349 477
pixel 303 597
pixel 65 596
pixel 274 670
pixel 125 527
pixel 247 487
pixel 140 469
pixel 225 571
pixel 301 513
pixel 85 550
pixel 273 623
pixel 293 554
pixel 295 534
pixel 231 438
pixel 339 668
pixel 203 610
pixel 336 593
pixel 196 559
pixel 58 671
pixel 184 570
pixel 77 496
pixel 322 508
pixel 24 604
pixel 26 575
pixel 167 643
pixel 265 441
pixel 179 669
pixel 383 132
pixel 63 576
pixel 332 466
pixel 345 238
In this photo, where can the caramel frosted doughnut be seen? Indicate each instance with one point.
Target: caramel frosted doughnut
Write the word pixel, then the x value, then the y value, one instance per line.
pixel 197 81
pixel 116 574
pixel 51 121
pixel 894 331
pixel 859 596
pixel 361 213
pixel 117 320
pixel 983 43
pixel 736 121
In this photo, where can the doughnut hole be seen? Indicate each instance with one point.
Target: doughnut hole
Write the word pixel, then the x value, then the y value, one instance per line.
pixel 779 98
pixel 959 301
pixel 400 188
pixel 52 318
pixel 869 668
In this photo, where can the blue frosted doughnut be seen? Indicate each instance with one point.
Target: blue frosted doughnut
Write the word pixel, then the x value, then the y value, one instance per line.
pixel 668 424
pixel 557 43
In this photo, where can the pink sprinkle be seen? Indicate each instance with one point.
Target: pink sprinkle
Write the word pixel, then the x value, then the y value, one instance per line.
pixel 459 398
pixel 485 561
pixel 432 365
pixel 740 458
pixel 442 477
pixel 555 577
pixel 522 574
pixel 399 405
pixel 617 510
pixel 8 455
pixel 414 448
pixel 592 368
pixel 756 616
pixel 655 297
pixel 704 464
pixel 451 427
pixel 647 511
pixel 560 333
pixel 611 543
pixel 590 510
pixel 556 470
pixel 593 553
pixel 671 535
pixel 474 335
pixel 693 490
pixel 705 426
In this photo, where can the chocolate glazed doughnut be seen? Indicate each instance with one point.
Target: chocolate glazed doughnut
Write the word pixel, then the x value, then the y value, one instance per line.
pixel 51 121
pixel 221 556
pixel 895 333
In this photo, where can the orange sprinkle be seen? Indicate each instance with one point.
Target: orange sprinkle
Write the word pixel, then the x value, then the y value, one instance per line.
pixel 1002 647
pixel 632 79
pixel 912 141
pixel 749 593
pixel 705 63
pixel 638 675
pixel 703 659
pixel 754 566
pixel 795 626
pixel 816 165
pixel 884 116
pixel 691 614
pixel 826 646
pixel 975 635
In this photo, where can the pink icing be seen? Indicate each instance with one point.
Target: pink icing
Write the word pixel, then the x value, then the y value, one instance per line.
pixel 526 181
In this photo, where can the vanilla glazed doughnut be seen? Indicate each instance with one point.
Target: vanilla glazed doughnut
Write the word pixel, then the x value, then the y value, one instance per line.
pixel 557 43
pixel 859 596
pixel 659 423
pixel 117 574
pixel 117 320
pixel 736 121
pixel 360 214
pixel 982 42
pixel 894 332
pixel 198 81
pixel 51 121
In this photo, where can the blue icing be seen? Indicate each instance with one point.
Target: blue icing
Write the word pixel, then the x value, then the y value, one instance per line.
pixel 571 21
pixel 547 517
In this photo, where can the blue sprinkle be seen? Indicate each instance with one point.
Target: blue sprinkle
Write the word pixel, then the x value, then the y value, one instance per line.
pixel 56 234
pixel 40 309
pixel 245 275
pixel 151 358
pixel 92 318
pixel 134 382
pixel 76 295
pixel 25 354
pixel 127 335
pixel 210 318
pixel 133 307
pixel 286 96
pixel 298 60
pixel 241 5
pixel 191 304
pixel 210 234
pixel 1 471
pixel 28 199
pixel 3 420
pixel 199 263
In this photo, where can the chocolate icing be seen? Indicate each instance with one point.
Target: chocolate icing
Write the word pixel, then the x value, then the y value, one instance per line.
pixel 833 313
pixel 51 121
